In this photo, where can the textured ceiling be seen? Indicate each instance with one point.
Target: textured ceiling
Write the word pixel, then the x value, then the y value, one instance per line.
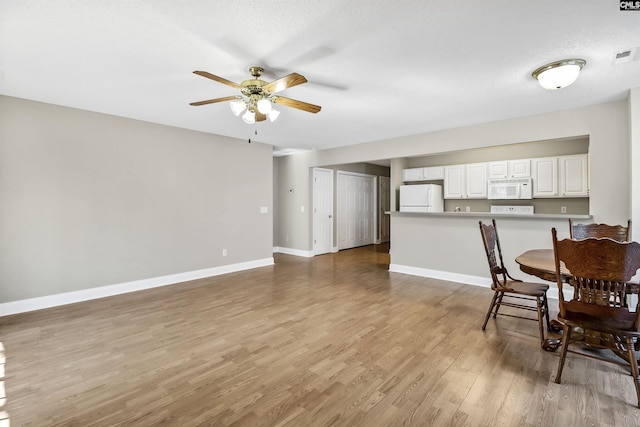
pixel 378 68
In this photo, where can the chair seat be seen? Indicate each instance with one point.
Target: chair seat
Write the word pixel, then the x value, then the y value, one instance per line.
pixel 620 327
pixel 523 288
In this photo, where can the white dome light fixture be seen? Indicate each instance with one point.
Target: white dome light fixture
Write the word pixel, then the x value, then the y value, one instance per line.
pixel 559 74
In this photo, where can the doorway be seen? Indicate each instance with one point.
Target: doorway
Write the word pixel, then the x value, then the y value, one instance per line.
pixel 356 215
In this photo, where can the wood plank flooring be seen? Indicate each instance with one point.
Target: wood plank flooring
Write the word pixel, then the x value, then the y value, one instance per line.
pixel 331 340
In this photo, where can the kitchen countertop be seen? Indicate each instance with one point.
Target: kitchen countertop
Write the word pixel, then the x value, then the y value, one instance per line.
pixel 486 215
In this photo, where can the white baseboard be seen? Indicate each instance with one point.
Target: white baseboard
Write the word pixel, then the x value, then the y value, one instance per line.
pixel 39 303
pixel 296 252
pixel 484 282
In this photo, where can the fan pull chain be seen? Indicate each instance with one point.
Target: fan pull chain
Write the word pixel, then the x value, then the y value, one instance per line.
pixel 255 132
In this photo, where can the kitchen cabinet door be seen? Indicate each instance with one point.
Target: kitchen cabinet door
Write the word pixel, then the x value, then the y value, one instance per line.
pixel 499 169
pixel 520 168
pixel 454 182
pixel 574 176
pixel 412 174
pixel 545 177
pixel 433 173
pixel 476 181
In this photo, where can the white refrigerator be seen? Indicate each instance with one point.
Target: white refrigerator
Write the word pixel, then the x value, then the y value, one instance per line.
pixel 421 198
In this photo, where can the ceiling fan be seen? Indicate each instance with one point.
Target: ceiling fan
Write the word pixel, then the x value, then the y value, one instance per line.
pixel 258 96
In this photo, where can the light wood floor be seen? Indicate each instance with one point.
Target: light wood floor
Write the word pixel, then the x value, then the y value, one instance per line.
pixel 332 340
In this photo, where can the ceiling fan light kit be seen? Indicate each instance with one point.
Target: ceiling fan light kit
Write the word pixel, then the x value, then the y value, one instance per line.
pixel 559 74
pixel 237 106
pixel 258 97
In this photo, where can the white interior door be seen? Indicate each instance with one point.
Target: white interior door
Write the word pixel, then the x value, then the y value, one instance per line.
pixel 322 210
pixel 385 206
pixel 356 213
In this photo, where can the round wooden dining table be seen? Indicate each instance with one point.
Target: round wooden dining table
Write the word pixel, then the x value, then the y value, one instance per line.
pixel 541 263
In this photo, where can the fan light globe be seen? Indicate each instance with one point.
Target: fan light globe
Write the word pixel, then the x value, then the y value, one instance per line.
pixel 249 117
pixel 264 106
pixel 273 115
pixel 560 74
pixel 237 107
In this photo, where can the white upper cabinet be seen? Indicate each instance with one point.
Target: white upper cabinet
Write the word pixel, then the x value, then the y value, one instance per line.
pixel 573 180
pixel 510 169
pixel 520 168
pixel 476 180
pixel 545 177
pixel 499 169
pixel 431 173
pixel 558 176
pixel 454 182
pixel 413 174
pixel 465 181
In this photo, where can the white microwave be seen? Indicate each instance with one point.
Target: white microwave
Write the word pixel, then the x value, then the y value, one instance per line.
pixel 510 188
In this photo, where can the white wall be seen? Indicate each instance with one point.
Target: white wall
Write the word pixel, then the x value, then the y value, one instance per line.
pixel 90 200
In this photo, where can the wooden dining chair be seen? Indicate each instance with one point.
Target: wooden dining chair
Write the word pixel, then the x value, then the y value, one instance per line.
pixel 585 231
pixel 599 272
pixel 510 292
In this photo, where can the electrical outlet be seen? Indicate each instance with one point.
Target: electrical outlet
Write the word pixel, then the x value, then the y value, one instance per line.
pixel 468 208
pixel 224 252
pixel 563 209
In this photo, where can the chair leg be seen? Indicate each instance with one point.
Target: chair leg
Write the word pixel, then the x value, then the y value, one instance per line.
pixel 540 306
pixel 566 331
pixel 546 313
pixel 634 367
pixel 493 303
pixel 495 313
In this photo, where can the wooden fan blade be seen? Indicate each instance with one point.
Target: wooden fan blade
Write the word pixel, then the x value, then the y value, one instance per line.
pixel 218 79
pixel 293 79
pixel 260 117
pixel 294 103
pixel 213 101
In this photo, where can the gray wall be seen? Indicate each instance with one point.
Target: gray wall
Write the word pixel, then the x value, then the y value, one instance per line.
pixel 605 125
pixel 89 200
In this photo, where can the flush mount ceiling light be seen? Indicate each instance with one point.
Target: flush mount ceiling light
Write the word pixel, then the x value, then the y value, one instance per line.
pixel 559 74
pixel 258 97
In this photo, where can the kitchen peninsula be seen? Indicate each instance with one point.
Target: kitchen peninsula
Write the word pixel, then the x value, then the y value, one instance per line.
pixel 447 245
